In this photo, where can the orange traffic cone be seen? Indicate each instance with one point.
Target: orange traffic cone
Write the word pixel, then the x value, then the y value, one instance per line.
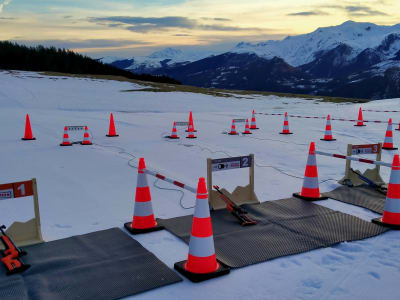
pixel 190 123
pixel 191 133
pixel 253 121
pixel 111 130
pixel 391 212
pixel 86 137
pixel 398 127
pixel 360 121
pixel 66 141
pixel 286 126
pixel 28 136
pixel 202 263
pixel 310 189
pixel 233 129
pixel 388 142
pixel 328 130
pixel 143 216
pixel 247 128
pixel 174 134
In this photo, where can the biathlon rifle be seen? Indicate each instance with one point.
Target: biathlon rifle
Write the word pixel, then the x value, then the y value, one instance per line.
pixel 12 254
pixel 371 183
pixel 235 209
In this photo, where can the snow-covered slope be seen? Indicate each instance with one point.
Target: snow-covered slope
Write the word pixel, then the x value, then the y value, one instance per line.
pixel 301 49
pixel 88 188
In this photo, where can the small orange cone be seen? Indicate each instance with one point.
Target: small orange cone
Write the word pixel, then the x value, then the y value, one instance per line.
pixel 310 189
pixel 391 212
pixel 174 134
pixel 86 137
pixel 247 129
pixel 190 123
pixel 143 217
pixel 66 141
pixel 253 121
pixel 286 126
pixel 360 121
pixel 388 142
pixel 28 136
pixel 202 263
pixel 233 129
pixel 328 130
pixel 111 130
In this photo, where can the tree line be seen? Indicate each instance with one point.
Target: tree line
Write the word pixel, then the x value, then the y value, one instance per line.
pixel 52 59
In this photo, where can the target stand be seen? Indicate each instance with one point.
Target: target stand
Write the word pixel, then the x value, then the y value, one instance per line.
pixel 241 194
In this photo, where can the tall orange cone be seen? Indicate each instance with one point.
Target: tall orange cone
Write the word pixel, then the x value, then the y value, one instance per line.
pixel 191 133
pixel 247 128
pixel 388 142
pixel 190 123
pixel 391 212
pixel 28 136
pixel 286 126
pixel 86 137
pixel 174 133
pixel 233 129
pixel 328 130
pixel 66 141
pixel 310 189
pixel 202 263
pixel 143 216
pixel 253 124
pixel 360 121
pixel 111 130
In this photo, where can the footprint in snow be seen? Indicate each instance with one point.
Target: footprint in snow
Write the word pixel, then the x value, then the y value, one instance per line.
pixel 375 275
pixel 314 283
pixel 62 226
pixel 347 247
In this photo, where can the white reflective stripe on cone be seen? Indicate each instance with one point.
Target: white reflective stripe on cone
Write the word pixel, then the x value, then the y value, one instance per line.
pixel 202 210
pixel 388 140
pixel 311 160
pixel 392 205
pixel 143 209
pixel 310 182
pixel 142 180
pixel 201 247
pixel 395 177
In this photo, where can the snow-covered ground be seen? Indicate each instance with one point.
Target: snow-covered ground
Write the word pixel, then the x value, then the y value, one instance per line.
pixel 88 188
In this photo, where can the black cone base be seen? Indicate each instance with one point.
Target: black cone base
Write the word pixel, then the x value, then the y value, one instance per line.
pixel 297 195
pixel 285 132
pixel 328 140
pixel 139 231
pixel 379 222
pixel 247 133
pixel 189 131
pixel 65 145
pixel 86 144
pixel 172 138
pixel 24 139
pixel 191 137
pixel 112 135
pixel 397 129
pixel 386 148
pixel 18 270
pixel 197 277
pixel 233 133
pixel 254 128
pixel 359 125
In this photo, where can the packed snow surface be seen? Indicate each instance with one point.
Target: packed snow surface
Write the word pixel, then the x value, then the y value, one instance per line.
pixel 88 188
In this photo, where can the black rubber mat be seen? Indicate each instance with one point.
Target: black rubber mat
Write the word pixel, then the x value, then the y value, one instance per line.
pixel 363 196
pixel 285 227
pixel 101 265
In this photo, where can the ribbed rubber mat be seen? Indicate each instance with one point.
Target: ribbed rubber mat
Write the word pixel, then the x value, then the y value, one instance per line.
pixel 363 196
pixel 285 227
pixel 100 265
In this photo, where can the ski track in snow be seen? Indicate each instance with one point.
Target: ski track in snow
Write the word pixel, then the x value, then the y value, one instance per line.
pixel 83 189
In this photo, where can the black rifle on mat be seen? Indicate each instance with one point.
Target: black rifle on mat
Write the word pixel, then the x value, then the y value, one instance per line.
pixel 235 209
pixel 12 254
pixel 379 188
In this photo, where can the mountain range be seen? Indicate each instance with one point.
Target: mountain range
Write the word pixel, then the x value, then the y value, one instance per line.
pixel 360 60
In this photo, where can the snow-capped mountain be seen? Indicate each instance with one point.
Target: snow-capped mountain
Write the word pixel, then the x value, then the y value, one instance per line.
pixel 302 49
pixel 352 60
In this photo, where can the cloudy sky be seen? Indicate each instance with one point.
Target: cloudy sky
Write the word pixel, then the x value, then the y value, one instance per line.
pixel 139 27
